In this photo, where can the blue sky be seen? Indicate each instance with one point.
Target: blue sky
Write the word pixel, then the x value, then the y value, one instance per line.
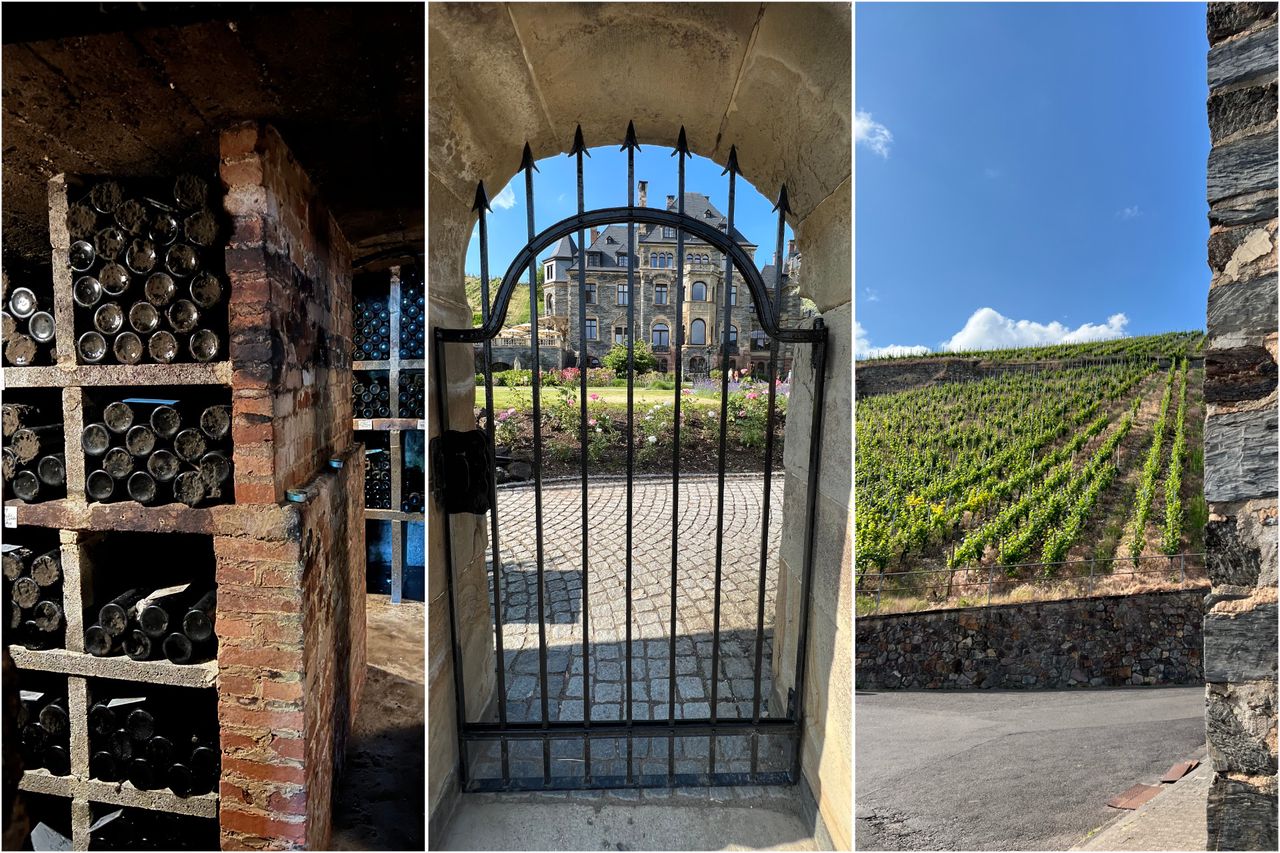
pixel 1028 173
pixel 555 193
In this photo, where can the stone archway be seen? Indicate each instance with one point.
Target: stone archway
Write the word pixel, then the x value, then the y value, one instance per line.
pixel 774 81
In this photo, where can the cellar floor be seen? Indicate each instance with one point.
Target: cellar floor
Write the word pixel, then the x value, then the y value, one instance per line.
pixel 379 801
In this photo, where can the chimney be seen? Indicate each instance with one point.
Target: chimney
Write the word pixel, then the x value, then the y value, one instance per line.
pixel 791 248
pixel 595 235
pixel 644 193
pixel 671 202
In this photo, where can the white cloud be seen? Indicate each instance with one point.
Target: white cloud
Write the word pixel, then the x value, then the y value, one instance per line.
pixel 1128 212
pixel 506 199
pixel 862 346
pixel 873 295
pixel 987 328
pixel 871 133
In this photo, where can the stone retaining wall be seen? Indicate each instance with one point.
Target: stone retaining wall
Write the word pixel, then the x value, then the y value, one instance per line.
pixel 1153 638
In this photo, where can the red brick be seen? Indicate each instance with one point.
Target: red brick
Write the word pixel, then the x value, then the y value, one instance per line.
pixel 263 719
pixel 231 792
pixel 243 432
pixel 290 691
pixel 244 548
pixel 289 804
pixel 281 629
pixel 280 576
pixel 233 627
pixel 265 772
pixel 233 573
pixel 256 405
pixel 246 171
pixel 279 659
pixel 246 231
pixel 235 740
pixel 286 747
pixel 255 493
pixel 237 141
pixel 263 825
pixel 237 685
pixel 260 600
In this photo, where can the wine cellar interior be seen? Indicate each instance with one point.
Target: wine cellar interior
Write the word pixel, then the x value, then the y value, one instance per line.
pixel 213 313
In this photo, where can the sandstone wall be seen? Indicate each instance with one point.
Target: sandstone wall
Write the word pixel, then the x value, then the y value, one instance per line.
pixel 1153 638
pixel 1240 427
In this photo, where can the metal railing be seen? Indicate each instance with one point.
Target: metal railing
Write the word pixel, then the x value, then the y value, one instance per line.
pixel 944 589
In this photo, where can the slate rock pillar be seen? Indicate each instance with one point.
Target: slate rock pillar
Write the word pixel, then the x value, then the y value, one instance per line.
pixel 1240 428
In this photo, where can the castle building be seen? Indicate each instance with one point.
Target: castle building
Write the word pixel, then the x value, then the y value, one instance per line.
pixel 657 290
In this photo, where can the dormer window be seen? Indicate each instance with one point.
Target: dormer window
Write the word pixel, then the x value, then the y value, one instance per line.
pixel 610 240
pixel 668 233
pixel 707 214
pixel 593 259
pixel 622 259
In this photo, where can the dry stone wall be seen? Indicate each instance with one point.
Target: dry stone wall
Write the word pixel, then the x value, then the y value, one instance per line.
pixel 1154 638
pixel 1241 427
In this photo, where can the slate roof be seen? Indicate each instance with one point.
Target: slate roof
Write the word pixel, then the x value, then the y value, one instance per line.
pixel 564 249
pixel 699 207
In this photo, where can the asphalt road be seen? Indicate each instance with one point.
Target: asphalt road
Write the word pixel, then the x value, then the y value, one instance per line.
pixel 1010 770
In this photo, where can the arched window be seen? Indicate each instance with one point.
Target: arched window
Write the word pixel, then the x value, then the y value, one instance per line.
pixel 659 294
pixel 670 260
pixel 733 294
pixel 733 335
pixel 698 330
pixel 699 291
pixel 661 335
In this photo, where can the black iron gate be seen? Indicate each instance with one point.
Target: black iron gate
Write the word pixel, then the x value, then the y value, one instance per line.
pixel 464 481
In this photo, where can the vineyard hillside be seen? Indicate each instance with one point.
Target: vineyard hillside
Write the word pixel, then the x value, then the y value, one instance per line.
pixel 1014 485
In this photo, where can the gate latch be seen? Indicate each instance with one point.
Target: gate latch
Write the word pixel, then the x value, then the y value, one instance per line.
pixel 462 471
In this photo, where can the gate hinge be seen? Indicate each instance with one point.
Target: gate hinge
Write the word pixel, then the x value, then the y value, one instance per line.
pixel 462 471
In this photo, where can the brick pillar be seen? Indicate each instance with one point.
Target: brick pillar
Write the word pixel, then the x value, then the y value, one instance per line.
pixel 1240 428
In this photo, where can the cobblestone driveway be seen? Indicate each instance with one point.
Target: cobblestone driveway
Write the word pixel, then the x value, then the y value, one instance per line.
pixel 650 606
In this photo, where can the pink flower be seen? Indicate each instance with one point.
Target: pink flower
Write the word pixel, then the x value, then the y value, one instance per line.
pixel 591 421
pixel 742 413
pixel 502 416
pixel 594 397
pixel 753 395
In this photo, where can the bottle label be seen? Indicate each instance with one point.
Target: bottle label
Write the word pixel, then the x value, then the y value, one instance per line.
pixel 11 516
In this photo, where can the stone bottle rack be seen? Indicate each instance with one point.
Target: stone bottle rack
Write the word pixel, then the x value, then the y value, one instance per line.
pixel 396 426
pixel 288 553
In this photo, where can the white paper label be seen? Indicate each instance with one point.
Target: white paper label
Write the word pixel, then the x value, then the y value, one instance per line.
pixel 46 838
pixel 104 820
pixel 11 516
pixel 422 425
pixel 364 423
pixel 30 695
pixel 116 703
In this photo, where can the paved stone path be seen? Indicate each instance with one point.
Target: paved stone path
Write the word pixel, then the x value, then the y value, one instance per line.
pixel 650 614
pixel 1174 820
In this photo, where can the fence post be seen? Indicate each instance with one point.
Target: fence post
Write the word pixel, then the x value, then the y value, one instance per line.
pixel 879 589
pixel 1091 561
pixel 991 577
pixel 1182 568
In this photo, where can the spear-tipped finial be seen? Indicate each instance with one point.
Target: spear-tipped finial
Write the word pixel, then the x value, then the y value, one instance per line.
pixel 482 198
pixel 783 204
pixel 630 141
pixel 526 160
pixel 682 145
pixel 578 144
pixel 733 162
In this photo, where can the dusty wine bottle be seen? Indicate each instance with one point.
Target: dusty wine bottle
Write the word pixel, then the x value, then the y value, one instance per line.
pixel 206 290
pixel 33 637
pixel 154 611
pixel 26 486
pixel 15 616
pixel 87 291
pixel 143 317
pixel 141 487
pixel 47 616
pixel 215 422
pixel 81 255
pixel 118 417
pixel 179 649
pixel 114 279
pixel 53 717
pixel 25 593
pixel 52 470
pixel 198 623
pixel 183 316
pixel 15 562
pixel 102 719
pixel 190 191
pixel 109 242
pixel 215 467
pixel 189 488
pixel 14 416
pixel 114 615
pixel 82 221
pixel 128 348
pixel 142 775
pixel 140 724
pixel 137 645
pixel 204 345
pixel 102 765
pixel 163 466
pixel 140 440
pixel 189 445
pixel 106 196
pixel 99 485
pixel 181 260
pixel 28 443
pixel 160 289
pixel 159 751
pixel 40 327
pixel 108 318
pixel 57 760
pixel 22 302
pixel 131 215
pixel 118 463
pixel 120 744
pixel 141 256
pixel 163 347
pixel 95 439
pixel 164 227
pixel 201 228
pixel 46 569
pixel 181 780
pixel 166 421
pixel 20 350
pixel 8 464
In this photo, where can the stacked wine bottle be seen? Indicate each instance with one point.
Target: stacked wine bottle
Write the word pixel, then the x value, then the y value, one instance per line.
pixel 44 732
pixel 175 623
pixel 152 744
pixel 34 466
pixel 372 338
pixel 145 829
pixel 370 395
pixel 377 478
pixel 145 278
pixel 412 314
pixel 413 486
pixel 150 451
pixel 33 590
pixel 413 394
pixel 28 329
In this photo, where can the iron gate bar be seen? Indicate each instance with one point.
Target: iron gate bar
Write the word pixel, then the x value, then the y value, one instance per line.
pixel 528 167
pixel 579 148
pixel 630 147
pixel 768 313
pixel 681 151
pixel 732 171
pixel 783 209
pixel 481 207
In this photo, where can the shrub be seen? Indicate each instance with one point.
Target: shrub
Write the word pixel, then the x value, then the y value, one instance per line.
pixel 642 355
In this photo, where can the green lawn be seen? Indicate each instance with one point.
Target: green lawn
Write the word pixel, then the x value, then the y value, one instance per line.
pixel 503 397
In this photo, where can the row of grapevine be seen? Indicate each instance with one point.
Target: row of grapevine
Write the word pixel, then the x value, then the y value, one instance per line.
pixel 1168 345
pixel 1172 536
pixel 1150 469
